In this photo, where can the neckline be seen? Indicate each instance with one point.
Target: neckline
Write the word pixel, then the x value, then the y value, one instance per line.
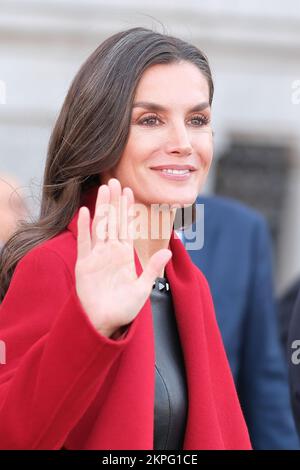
pixel 161 284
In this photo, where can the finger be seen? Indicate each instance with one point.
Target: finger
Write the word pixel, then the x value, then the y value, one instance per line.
pixel 99 225
pixel 126 202
pixel 153 270
pixel 83 233
pixel 113 217
pixel 123 229
pixel 130 214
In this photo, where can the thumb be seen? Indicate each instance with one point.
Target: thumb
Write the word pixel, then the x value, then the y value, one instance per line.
pixel 153 269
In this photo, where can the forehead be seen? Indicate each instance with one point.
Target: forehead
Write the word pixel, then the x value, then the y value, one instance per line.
pixel 181 81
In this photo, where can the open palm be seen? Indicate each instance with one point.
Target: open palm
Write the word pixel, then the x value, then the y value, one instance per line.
pixel 106 280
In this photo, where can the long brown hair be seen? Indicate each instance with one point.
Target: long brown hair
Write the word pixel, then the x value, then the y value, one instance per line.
pixel 92 128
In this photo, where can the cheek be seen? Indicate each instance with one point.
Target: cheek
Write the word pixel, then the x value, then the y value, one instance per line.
pixel 205 149
pixel 143 142
pixel 127 168
pixel 135 155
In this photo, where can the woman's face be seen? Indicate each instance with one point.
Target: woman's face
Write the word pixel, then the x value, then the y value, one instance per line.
pixel 170 127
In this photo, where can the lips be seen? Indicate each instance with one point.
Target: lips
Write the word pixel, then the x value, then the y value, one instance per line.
pixel 173 174
pixel 174 167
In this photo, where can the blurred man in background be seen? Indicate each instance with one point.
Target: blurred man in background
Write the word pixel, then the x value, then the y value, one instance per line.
pixel 236 260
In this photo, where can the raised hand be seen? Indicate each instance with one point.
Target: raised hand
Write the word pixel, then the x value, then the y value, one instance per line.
pixel 107 284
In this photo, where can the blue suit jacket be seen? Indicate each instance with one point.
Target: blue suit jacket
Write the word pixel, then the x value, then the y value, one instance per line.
pixel 236 259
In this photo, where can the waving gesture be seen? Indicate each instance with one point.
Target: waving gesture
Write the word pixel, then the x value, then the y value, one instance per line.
pixel 107 284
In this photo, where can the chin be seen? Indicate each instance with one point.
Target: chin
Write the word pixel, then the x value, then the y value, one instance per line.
pixel 181 202
pixel 177 200
pixel 184 200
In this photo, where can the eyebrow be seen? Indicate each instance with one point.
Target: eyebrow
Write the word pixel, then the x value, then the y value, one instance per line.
pixel 158 107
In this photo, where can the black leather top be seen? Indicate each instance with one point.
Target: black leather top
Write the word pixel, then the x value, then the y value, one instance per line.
pixel 171 398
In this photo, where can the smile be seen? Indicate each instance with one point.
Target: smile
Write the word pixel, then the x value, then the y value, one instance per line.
pixel 177 175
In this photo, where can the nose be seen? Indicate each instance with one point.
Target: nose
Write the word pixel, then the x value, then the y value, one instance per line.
pixel 179 141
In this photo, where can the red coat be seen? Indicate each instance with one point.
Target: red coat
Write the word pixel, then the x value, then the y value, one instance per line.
pixel 66 385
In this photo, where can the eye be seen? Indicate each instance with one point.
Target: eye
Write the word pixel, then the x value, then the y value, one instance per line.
pixel 149 120
pixel 202 120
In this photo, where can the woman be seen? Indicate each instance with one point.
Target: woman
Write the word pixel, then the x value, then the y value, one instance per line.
pixel 92 362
